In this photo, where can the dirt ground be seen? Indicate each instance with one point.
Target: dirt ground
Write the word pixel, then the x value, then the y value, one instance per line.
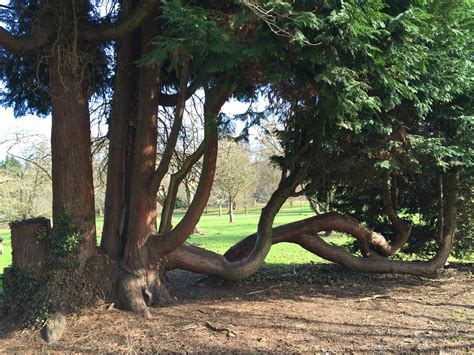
pixel 316 308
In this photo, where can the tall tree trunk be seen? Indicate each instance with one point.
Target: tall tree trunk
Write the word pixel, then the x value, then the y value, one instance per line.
pixel 141 283
pixel 121 133
pixel 137 285
pixel 73 190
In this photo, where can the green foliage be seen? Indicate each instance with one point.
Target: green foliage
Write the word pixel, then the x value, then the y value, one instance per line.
pixel 64 244
pixel 26 297
pixel 25 78
pixel 31 295
pixel 410 113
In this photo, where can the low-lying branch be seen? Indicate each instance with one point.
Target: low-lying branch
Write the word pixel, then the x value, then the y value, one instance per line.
pixel 304 233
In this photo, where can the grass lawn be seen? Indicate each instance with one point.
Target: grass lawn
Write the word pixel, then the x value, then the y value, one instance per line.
pixel 218 235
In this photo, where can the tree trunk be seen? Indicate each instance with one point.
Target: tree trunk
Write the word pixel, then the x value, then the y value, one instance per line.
pixel 231 211
pixel 121 133
pixel 73 190
pixel 220 209
pixel 28 251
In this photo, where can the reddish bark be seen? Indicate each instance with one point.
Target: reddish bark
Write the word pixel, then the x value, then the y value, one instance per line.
pixel 142 205
pixel 73 190
pixel 121 133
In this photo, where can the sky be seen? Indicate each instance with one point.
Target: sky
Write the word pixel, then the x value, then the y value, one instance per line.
pixel 31 125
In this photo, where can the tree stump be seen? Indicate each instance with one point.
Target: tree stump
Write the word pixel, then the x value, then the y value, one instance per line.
pixel 29 252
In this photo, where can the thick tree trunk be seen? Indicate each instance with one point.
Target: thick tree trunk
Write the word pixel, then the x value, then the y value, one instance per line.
pixel 141 283
pixel 73 190
pixel 142 205
pixel 29 253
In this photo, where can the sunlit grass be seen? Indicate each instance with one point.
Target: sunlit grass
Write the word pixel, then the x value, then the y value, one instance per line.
pixel 218 235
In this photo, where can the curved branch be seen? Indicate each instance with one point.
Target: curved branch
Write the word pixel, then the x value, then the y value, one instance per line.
pixel 169 100
pixel 175 181
pixel 402 227
pixel 129 24
pixel 163 166
pixel 198 260
pixel 37 39
pixel 159 245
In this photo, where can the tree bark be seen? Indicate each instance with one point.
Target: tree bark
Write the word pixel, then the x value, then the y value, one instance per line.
pixel 202 261
pixel 142 206
pixel 160 245
pixel 175 181
pixel 402 228
pixel 73 190
pixel 126 25
pixel 121 138
pixel 41 34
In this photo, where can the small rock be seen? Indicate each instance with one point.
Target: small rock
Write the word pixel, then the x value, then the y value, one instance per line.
pixel 54 328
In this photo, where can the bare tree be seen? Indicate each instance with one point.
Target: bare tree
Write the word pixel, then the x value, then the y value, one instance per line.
pixel 235 175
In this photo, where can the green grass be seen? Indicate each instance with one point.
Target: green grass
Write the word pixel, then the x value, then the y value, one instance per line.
pixel 218 235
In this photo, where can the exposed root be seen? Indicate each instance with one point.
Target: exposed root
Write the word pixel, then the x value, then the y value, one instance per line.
pixel 131 294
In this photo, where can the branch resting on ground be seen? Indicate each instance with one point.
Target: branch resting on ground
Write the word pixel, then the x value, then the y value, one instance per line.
pixel 304 233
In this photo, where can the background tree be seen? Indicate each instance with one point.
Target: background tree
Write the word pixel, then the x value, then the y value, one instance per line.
pixel 235 174
pixel 26 179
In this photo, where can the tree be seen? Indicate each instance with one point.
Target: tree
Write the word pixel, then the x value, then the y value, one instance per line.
pixel 235 176
pixel 26 180
pixel 267 174
pixel 343 79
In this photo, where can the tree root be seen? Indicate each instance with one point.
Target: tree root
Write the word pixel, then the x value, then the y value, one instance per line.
pixel 132 293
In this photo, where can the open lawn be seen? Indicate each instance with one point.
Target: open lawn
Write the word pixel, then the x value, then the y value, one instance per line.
pixel 218 235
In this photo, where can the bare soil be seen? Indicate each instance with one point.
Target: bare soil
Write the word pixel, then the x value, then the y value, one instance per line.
pixel 316 308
